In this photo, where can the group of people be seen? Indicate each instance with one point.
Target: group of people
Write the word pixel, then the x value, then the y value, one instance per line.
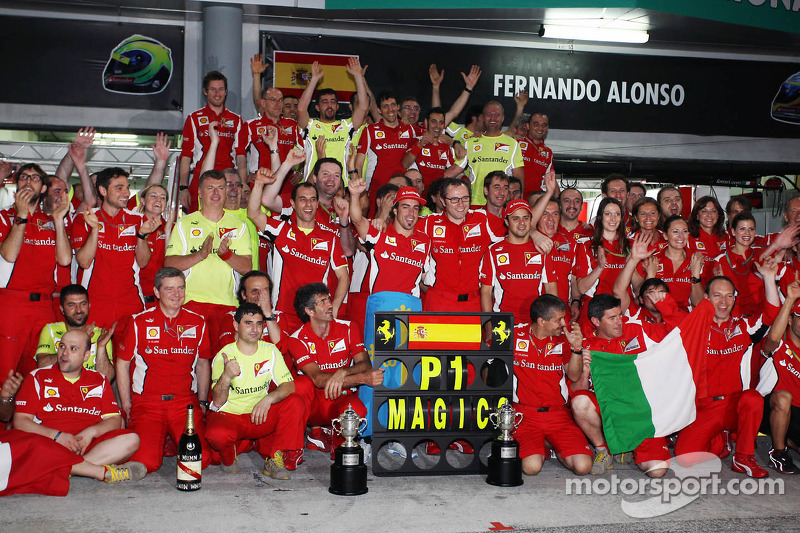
pixel 252 306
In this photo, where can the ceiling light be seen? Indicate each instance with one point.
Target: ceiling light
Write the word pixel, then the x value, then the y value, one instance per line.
pixel 584 33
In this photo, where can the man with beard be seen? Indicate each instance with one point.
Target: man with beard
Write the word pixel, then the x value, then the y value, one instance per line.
pixel 494 150
pixel 496 191
pixel 111 247
pixel 33 243
pixel 571 207
pixel 75 308
pixel 430 155
pixel 338 133
pixel 671 202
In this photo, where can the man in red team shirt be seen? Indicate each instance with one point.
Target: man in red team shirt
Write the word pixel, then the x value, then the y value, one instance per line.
pixel 779 382
pixel 496 190
pixel 288 132
pixel 303 251
pixel 76 408
pixel 430 155
pixel 459 238
pixel 513 272
pixel 571 206
pixel 331 353
pixel 32 246
pixel 111 247
pixel 232 133
pixel 537 157
pixel 724 399
pixel 544 356
pixel 163 365
pixel 383 145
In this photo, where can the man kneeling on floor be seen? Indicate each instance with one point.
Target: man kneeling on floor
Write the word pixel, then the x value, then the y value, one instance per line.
pixel 242 409
pixel 76 408
pixel 543 357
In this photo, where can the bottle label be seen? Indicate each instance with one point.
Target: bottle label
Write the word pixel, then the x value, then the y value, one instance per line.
pixel 349 459
pixel 508 452
pixel 189 470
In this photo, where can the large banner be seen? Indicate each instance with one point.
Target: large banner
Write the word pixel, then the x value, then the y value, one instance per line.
pixel 92 64
pixel 587 90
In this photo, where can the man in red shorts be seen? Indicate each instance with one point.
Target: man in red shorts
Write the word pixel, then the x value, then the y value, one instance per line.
pixel 163 365
pixel 76 408
pixel 331 352
pixel 544 356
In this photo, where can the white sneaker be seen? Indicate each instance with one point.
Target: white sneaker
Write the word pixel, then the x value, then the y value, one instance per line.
pixel 367 447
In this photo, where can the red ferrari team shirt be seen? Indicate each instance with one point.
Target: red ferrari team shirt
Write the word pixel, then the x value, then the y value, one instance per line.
pixel 114 269
pixel 384 147
pixel 562 255
pixel 516 273
pixel 35 267
pixel 708 244
pixel 60 404
pixel 539 377
pixel 258 152
pixel 232 133
pixel 396 262
pixel 298 259
pixel 344 341
pixel 537 158
pixel 729 352
pixel 741 271
pixel 432 160
pixel 677 279
pixel 456 251
pixel 782 371
pixel 164 352
pixel 586 261
pixel 578 234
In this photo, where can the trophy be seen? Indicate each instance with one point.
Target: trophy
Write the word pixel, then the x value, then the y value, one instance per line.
pixel 505 466
pixel 348 471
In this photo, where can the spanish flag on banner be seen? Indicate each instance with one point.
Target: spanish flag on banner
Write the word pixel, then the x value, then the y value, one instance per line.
pixel 444 332
pixel 293 72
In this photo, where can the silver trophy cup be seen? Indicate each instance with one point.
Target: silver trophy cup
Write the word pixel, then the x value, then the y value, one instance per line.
pixel 504 464
pixel 348 471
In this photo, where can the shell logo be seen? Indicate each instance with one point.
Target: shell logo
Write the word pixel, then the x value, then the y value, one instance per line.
pixel 153 333
pixel 196 232
pixel 438 232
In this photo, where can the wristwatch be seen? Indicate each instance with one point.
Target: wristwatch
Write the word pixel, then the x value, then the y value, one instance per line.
pixel 19 220
pixel 270 318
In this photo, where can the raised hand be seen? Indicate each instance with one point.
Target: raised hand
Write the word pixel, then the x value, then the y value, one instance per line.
pixel 265 176
pixel 232 368
pixel 256 65
pixel 435 76
pixel 472 78
pixel 90 217
pixel 357 186
pixel 161 147
pixel 521 98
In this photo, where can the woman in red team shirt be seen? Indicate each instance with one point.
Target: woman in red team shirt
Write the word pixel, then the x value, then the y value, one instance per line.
pixel 645 220
pixel 707 227
pixel 672 263
pixel 599 260
pixel 153 202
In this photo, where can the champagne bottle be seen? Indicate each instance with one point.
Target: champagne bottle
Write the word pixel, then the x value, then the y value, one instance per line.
pixel 190 456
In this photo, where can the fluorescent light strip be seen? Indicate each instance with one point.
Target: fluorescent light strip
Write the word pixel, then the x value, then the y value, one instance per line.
pixel 583 33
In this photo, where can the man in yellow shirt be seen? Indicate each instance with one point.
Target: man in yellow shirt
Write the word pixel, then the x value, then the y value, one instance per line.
pixel 212 248
pixel 243 408
pixel 494 150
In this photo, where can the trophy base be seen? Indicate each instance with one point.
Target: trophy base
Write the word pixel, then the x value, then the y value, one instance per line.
pixel 504 464
pixel 348 472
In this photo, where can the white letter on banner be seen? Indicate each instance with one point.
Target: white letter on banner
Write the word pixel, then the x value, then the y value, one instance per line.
pixel 637 93
pixel 519 84
pixel 550 89
pixel 578 89
pixel 593 90
pixel 677 100
pixel 498 84
pixel 613 93
pixel 536 87
pixel 509 85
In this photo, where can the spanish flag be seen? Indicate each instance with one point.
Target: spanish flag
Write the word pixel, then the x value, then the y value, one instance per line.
pixel 293 72
pixel 432 332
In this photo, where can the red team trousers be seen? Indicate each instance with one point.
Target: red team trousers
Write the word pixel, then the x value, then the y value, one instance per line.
pixel 739 412
pixel 283 430
pixel 154 419
pixel 20 327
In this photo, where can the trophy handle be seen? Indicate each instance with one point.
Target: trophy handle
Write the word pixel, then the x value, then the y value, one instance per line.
pixel 517 419
pixel 333 425
pixel 494 419
pixel 362 425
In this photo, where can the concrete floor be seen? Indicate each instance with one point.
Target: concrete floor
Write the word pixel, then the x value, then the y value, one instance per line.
pixel 249 501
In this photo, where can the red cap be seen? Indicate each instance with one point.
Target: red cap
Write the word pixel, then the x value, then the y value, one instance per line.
pixel 513 205
pixel 796 308
pixel 409 193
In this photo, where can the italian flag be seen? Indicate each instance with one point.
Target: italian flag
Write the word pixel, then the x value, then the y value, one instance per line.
pixel 652 394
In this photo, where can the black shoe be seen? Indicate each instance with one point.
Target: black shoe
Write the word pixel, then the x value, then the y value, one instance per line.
pixel 782 462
